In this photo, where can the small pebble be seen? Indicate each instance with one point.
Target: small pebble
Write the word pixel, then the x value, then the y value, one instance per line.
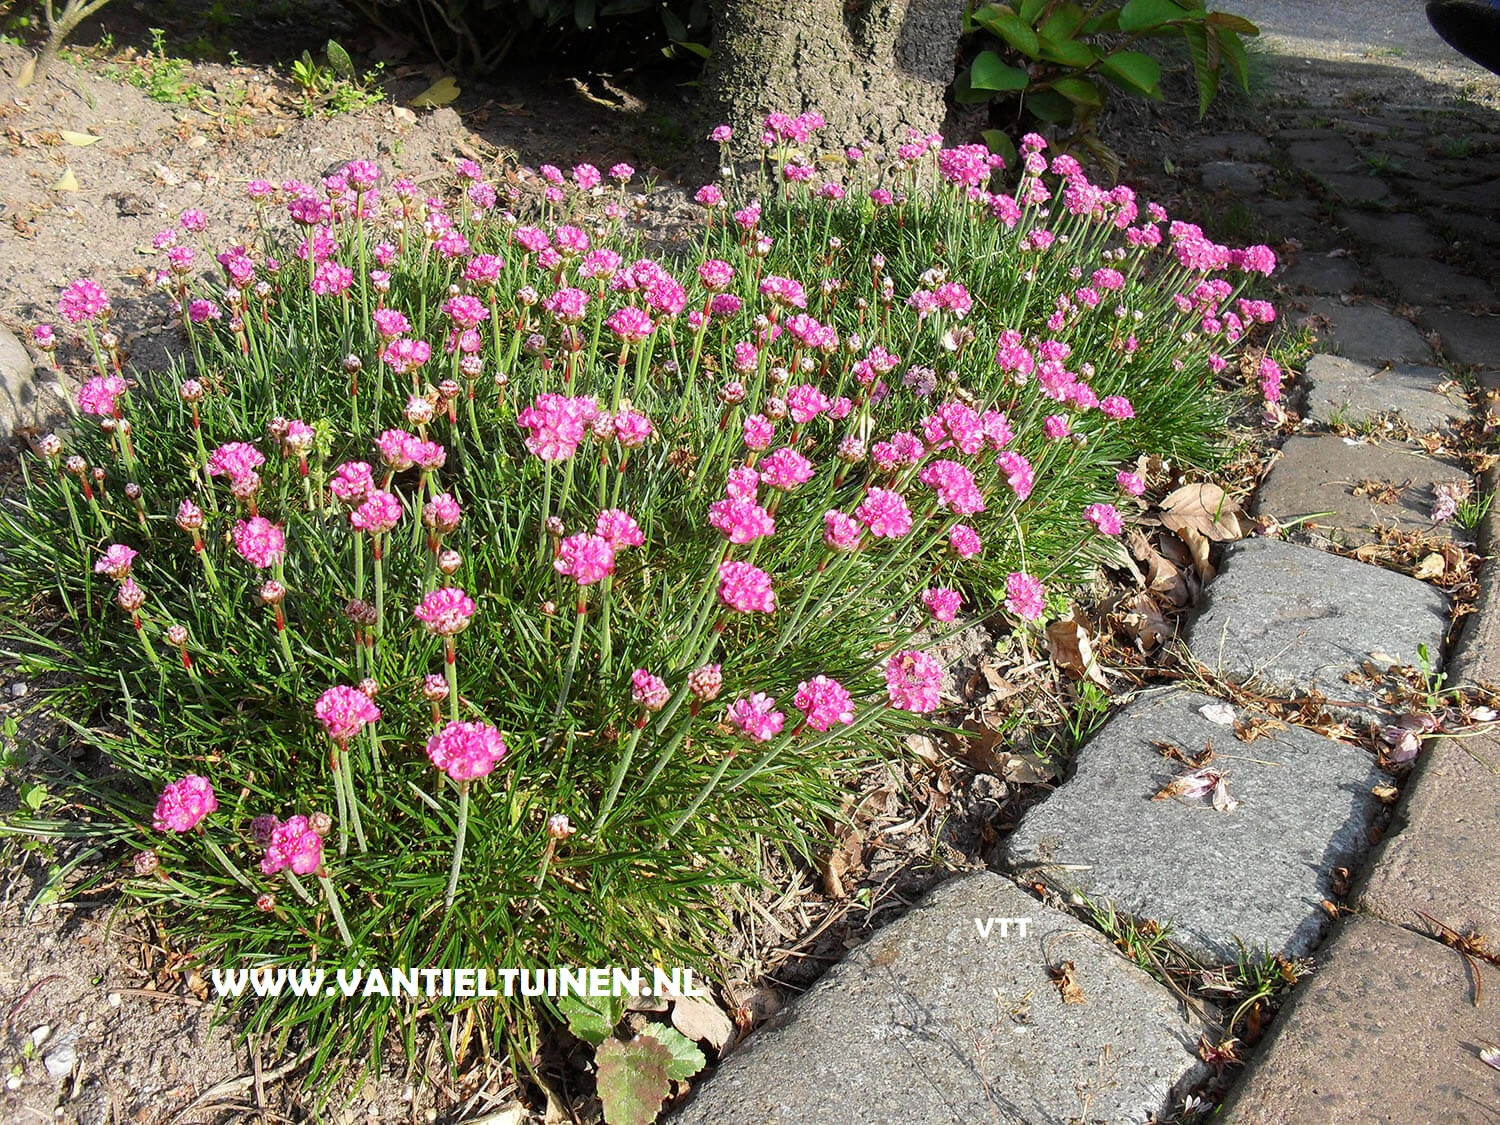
pixel 39 1034
pixel 19 688
pixel 59 1061
pixel 13 1082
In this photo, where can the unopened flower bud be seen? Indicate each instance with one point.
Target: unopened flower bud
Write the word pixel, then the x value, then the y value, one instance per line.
pixel 449 561
pixel 265 902
pixel 369 687
pixel 705 682
pixel 471 366
pixel 132 491
pixel 146 863
pixel 434 689
pixel 273 592
pixel 449 389
pixel 177 635
pixel 775 409
pixel 779 376
pixel 528 295
pixel 76 465
pixel 360 612
pixel 559 827
pixel 418 410
pixel 320 822
pixel 49 445
pixel 554 527
pixel 108 425
pixel 190 391
pixel 732 393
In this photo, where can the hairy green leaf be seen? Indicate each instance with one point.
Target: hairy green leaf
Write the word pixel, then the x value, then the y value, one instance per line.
pixel 591 1018
pixel 1005 24
pixel 633 1079
pixel 687 1059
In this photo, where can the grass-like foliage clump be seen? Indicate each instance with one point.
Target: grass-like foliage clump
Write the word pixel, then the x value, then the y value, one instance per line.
pixel 480 591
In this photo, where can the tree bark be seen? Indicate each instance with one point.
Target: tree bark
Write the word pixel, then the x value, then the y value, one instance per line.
pixel 872 74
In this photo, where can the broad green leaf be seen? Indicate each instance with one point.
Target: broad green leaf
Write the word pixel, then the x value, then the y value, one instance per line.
pixel 676 29
pixel 339 60
pixel 1068 52
pixel 1031 10
pixel 1051 107
pixel 82 140
pixel 624 7
pixel 687 1059
pixel 591 1018
pixel 965 94
pixel 1143 15
pixel 702 50
pixel 584 13
pixel 1205 52
pixel 1063 22
pixel 1133 70
pixel 1232 48
pixel 441 92
pixel 990 72
pixel 999 141
pixel 1079 90
pixel 1228 21
pixel 632 1079
pixel 1005 24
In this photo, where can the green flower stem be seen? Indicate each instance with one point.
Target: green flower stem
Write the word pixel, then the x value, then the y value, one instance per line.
pixel 573 651
pixel 703 794
pixel 228 864
pixel 338 796
pixel 450 668
pixel 346 765
pixel 296 885
pixel 377 549
pixel 859 724
pixel 333 905
pixel 458 845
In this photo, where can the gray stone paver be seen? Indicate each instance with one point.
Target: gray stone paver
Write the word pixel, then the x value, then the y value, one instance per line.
pixel 1342 389
pixel 1294 619
pixel 1318 477
pixel 1439 851
pixel 1390 233
pixel 1233 177
pixel 1257 873
pixel 1369 333
pixel 1385 1031
pixel 1322 273
pixel 1322 154
pixel 1422 281
pixel 930 1022
pixel 1355 187
pixel 1467 338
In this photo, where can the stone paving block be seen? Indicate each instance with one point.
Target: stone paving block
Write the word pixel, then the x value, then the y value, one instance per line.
pixel 1320 273
pixel 1476 656
pixel 1320 474
pixel 1466 338
pixel 1385 1031
pixel 1233 177
pixel 1235 146
pixel 1355 187
pixel 1354 392
pixel 1294 619
pixel 929 1021
pixel 1369 333
pixel 1422 281
pixel 1328 153
pixel 1469 197
pixel 1442 849
pixel 1390 233
pixel 1258 873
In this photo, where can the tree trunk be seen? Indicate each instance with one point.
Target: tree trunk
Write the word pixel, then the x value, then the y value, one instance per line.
pixel 873 74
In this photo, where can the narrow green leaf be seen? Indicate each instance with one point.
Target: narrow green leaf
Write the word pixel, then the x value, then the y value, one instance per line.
pixel 702 50
pixel 1004 24
pixel 1232 48
pixel 1143 15
pixel 1134 71
pixel 990 72
pixel 1205 53
pixel 676 29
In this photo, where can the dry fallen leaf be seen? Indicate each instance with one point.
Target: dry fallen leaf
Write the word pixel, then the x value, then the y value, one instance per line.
pixel 1489 1054
pixel 1065 976
pixel 82 140
pixel 1430 567
pixel 68 182
pixel 1206 508
pixel 441 92
pixel 701 1021
pixel 28 73
pixel 1071 651
pixel 1221 713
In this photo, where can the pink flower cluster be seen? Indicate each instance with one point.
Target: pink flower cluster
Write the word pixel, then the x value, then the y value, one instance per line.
pixel 445 611
pixel 183 803
pixel 344 711
pixel 259 542
pixel 824 702
pixel 293 844
pixel 913 680
pixel 98 395
pixel 585 558
pixel 745 588
pixel 756 717
pixel 557 424
pixel 465 751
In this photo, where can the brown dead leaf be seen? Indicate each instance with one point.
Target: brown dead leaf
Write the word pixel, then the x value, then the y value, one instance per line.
pixel 701 1021
pixel 1065 977
pixel 1068 641
pixel 983 748
pixel 1206 508
pixel 1386 794
pixel 924 748
pixel 1430 567
pixel 1198 545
